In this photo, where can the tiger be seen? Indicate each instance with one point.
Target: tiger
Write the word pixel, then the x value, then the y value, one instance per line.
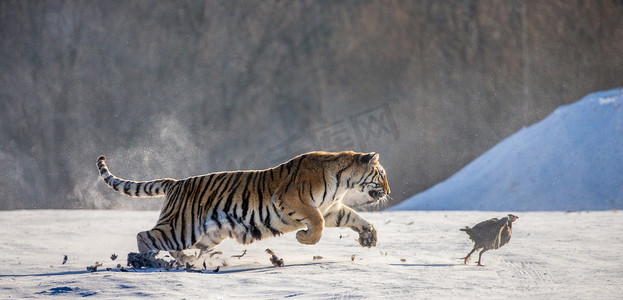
pixel 304 194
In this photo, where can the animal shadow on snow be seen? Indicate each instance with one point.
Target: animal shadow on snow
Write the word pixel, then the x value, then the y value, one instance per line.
pixel 46 274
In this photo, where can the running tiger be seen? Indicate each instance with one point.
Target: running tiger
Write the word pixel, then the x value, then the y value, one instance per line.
pixel 200 212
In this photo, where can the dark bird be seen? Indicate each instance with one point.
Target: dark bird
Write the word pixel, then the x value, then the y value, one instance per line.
pixel 490 234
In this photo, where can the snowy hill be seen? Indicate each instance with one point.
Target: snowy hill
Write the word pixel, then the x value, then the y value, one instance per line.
pixel 572 160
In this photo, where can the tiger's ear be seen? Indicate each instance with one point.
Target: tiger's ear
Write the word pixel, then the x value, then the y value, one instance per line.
pixel 370 157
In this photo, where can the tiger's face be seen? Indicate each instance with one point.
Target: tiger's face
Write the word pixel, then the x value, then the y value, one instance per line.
pixel 373 180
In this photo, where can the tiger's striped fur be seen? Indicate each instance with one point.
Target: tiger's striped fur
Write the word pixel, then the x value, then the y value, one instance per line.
pixel 199 212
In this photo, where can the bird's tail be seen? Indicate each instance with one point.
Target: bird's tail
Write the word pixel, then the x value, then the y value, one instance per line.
pixel 466 229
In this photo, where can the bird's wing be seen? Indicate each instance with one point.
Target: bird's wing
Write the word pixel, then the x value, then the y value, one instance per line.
pixel 505 235
pixel 484 225
pixel 501 233
pixel 483 232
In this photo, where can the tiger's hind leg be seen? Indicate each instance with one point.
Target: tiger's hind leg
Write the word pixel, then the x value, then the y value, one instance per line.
pixel 212 236
pixel 344 216
pixel 150 242
pixel 183 258
pixel 207 243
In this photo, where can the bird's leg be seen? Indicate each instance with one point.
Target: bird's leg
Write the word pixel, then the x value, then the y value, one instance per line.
pixel 466 257
pixel 480 257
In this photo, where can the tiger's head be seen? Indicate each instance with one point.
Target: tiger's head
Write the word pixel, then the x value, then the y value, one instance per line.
pixel 370 178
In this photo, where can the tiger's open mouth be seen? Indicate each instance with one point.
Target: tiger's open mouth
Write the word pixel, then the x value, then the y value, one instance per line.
pixel 376 196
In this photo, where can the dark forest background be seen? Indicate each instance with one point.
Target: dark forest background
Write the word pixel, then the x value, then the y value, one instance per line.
pixel 180 88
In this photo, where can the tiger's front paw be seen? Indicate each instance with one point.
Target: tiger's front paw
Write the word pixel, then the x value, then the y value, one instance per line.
pixel 307 237
pixel 367 236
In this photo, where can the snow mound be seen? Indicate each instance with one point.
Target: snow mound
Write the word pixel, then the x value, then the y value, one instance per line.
pixel 571 160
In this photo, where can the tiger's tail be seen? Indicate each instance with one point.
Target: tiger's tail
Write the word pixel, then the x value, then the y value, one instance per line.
pixel 133 188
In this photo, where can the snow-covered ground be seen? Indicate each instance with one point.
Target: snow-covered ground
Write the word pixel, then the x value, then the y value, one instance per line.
pixel 572 160
pixel 552 255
